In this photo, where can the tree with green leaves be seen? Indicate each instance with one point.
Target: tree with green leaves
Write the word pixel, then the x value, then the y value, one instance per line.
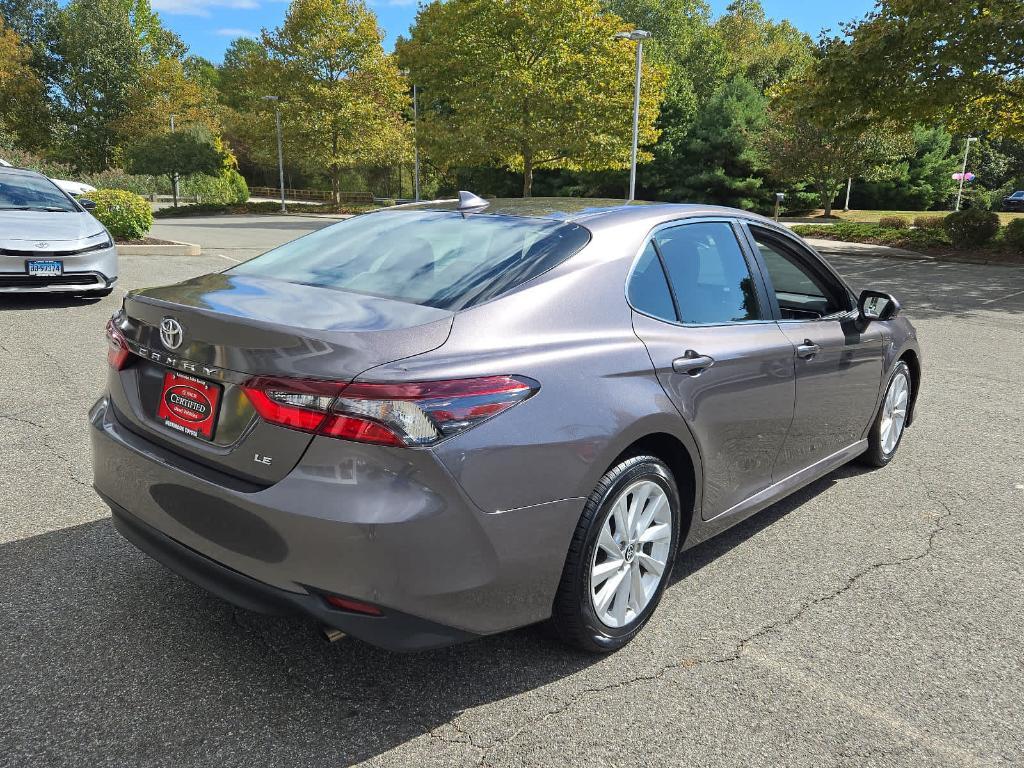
pixel 804 144
pixel 23 118
pixel 192 150
pixel 343 100
pixel 956 61
pixel 528 84
pixel 923 181
pixel 758 49
pixel 721 160
pixel 101 50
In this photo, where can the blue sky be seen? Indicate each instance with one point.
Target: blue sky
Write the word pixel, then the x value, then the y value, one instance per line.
pixel 208 26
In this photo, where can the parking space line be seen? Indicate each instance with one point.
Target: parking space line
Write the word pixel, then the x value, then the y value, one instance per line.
pixel 1000 298
pixel 237 261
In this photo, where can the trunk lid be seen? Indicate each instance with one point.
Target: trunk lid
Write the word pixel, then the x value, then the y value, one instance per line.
pixel 230 328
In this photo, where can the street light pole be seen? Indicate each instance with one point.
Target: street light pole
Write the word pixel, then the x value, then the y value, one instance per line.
pixel 416 141
pixel 280 150
pixel 963 172
pixel 638 36
pixel 174 176
pixel 849 185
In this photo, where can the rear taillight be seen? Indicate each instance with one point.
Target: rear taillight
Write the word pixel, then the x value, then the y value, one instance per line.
pixel 117 347
pixel 297 403
pixel 409 414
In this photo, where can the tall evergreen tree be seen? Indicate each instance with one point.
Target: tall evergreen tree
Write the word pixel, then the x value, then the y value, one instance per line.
pixel 720 161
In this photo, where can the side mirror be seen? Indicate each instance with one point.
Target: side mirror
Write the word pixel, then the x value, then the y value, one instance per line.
pixel 875 305
pixel 88 204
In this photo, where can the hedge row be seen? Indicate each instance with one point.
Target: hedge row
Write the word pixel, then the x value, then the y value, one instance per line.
pixel 969 228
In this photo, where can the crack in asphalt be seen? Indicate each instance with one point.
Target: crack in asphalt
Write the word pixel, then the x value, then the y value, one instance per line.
pixel 938 527
pixel 44 438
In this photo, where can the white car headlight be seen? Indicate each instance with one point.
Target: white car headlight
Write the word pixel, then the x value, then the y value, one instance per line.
pixel 97 241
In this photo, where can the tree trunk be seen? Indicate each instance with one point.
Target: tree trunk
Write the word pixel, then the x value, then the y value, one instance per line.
pixel 527 175
pixel 826 200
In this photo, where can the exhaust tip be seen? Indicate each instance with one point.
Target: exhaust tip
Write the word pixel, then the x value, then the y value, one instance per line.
pixel 331 634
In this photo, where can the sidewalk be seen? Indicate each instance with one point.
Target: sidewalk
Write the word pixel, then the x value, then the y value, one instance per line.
pixel 843 248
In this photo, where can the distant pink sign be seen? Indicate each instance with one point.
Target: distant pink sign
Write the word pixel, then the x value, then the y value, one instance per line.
pixel 965 176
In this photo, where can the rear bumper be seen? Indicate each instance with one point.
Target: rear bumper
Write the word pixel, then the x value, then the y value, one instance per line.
pixel 382 525
pixel 392 630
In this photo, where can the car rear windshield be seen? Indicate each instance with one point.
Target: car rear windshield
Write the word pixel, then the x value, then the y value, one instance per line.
pixel 19 192
pixel 435 258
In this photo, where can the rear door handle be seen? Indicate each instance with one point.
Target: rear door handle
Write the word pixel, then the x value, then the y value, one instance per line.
pixel 807 350
pixel 691 363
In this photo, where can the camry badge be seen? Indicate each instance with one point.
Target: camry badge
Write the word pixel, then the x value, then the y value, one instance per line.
pixel 42 244
pixel 171 333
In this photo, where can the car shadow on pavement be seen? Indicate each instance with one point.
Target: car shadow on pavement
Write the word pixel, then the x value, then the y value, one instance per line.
pixel 108 654
pixel 45 301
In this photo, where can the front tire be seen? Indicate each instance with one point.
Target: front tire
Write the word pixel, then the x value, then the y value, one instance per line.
pixel 620 558
pixel 887 431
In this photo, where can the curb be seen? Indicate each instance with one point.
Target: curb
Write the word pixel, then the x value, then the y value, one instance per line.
pixel 170 249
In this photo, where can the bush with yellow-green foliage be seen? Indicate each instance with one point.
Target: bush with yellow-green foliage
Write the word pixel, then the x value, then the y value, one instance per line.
pixel 225 188
pixel 127 215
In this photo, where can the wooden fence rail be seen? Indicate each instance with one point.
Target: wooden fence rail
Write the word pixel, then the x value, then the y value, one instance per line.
pixel 310 194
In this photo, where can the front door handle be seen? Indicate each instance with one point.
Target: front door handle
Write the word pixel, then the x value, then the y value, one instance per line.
pixel 692 363
pixel 807 350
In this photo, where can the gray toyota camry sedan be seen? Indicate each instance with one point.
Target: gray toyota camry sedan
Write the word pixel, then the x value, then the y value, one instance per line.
pixel 49 241
pixel 445 420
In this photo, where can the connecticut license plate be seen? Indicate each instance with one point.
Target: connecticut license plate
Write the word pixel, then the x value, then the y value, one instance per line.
pixel 45 268
pixel 189 405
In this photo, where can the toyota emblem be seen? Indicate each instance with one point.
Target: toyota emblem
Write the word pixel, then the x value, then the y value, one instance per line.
pixel 171 333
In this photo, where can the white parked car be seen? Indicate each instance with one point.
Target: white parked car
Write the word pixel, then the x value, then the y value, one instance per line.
pixel 71 187
pixel 49 241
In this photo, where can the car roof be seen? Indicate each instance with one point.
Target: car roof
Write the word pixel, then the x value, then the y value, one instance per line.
pixel 588 211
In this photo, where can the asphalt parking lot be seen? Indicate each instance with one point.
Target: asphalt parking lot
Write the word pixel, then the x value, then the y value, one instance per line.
pixel 874 619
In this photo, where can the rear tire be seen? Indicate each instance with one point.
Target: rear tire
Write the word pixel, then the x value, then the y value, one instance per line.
pixel 628 531
pixel 887 431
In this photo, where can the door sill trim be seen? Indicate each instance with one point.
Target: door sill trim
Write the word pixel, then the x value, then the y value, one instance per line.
pixel 798 479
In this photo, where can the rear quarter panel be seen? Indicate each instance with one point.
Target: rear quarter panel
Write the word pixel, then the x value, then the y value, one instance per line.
pixel 571 330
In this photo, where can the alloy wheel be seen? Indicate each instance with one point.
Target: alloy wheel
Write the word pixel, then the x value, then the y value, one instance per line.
pixel 894 412
pixel 631 554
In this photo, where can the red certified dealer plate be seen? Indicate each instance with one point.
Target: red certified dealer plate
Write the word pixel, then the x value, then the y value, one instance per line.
pixel 189 405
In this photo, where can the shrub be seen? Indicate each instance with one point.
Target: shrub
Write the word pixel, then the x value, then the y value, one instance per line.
pixel 239 189
pixel 930 222
pixel 206 190
pixel 1013 234
pixel 893 222
pixel 971 227
pixel 976 197
pixel 127 215
pixel 116 178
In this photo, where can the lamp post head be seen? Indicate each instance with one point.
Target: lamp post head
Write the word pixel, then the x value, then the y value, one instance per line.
pixel 271 98
pixel 636 35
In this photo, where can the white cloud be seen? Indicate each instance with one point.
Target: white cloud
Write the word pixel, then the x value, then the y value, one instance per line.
pixel 201 7
pixel 235 32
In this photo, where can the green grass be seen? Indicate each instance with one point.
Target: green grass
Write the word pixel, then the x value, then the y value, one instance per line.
pixel 861 232
pixel 930 240
pixel 872 217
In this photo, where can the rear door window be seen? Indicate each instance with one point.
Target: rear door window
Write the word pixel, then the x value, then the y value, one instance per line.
pixel 436 258
pixel 709 274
